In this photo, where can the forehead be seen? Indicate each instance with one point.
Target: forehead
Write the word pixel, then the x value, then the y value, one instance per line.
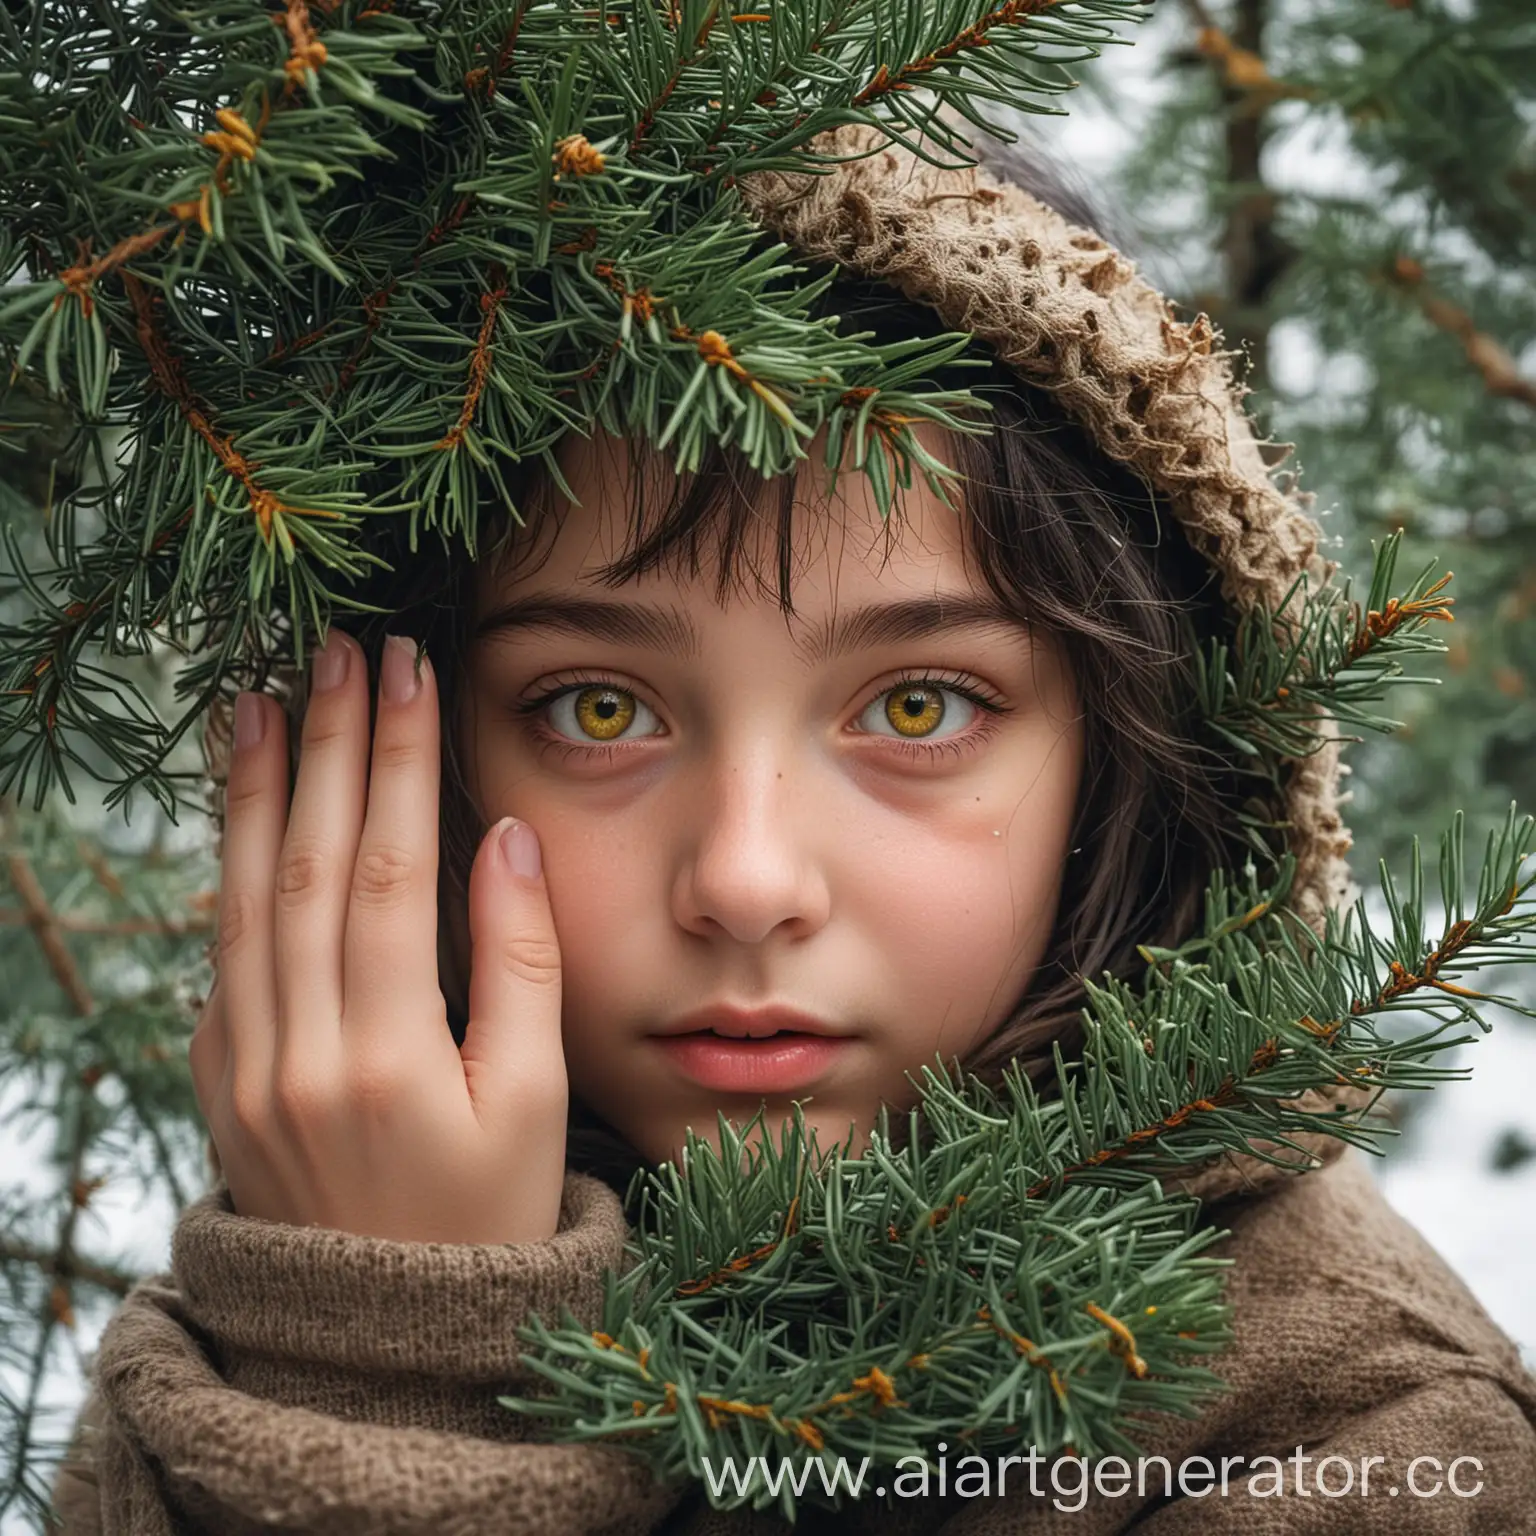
pixel 839 538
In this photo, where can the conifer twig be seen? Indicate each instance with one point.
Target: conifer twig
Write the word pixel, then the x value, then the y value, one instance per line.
pixel 44 923
pixel 1490 357
pixel 117 1282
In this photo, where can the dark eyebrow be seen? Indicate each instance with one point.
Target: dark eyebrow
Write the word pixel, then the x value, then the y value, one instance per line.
pixel 670 629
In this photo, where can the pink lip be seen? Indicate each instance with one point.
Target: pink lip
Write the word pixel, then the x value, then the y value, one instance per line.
pixel 779 1064
pixel 749 1023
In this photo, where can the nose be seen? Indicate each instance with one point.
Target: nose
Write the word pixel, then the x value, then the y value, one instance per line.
pixel 751 863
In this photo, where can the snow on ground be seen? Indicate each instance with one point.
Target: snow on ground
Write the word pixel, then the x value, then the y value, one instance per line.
pixel 1484 1223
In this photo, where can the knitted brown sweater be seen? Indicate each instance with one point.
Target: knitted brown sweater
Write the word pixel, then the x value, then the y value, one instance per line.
pixel 292 1379
pixel 307 1380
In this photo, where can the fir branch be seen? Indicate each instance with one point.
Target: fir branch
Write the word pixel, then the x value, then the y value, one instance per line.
pixel 57 1311
pixel 108 928
pixel 480 360
pixel 1241 69
pixel 111 1085
pixel 268 509
pixel 1321 657
pixel 1011 13
pixel 337 187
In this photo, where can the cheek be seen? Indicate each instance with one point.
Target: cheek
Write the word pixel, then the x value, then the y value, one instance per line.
pixel 963 915
pixel 965 903
pixel 602 891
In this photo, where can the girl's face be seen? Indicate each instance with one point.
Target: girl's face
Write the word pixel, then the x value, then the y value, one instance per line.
pixel 860 811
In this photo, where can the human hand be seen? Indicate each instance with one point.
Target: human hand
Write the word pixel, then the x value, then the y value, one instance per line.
pixel 323 1061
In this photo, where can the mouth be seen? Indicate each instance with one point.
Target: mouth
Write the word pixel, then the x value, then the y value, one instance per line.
pixel 780 1063
pixel 764 1051
pixel 765 1037
pixel 764 1057
pixel 772 1034
pixel 726 1021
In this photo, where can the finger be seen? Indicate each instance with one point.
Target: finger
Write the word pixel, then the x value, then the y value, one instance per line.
pixel 512 1051
pixel 208 1053
pixel 390 951
pixel 255 809
pixel 319 851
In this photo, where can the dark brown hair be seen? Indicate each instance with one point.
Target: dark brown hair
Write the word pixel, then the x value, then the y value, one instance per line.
pixel 1074 542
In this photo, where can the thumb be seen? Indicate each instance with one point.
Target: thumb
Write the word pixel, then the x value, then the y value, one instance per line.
pixel 514 984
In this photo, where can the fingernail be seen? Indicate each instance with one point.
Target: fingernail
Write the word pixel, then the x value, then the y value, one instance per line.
pixel 329 663
pixel 520 848
pixel 250 720
pixel 399 680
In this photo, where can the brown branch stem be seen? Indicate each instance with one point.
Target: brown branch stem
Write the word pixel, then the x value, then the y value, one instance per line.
pixel 165 367
pixel 45 923
pixel 480 360
pixel 117 1281
pixel 973 36
pixel 1490 357
pixel 130 927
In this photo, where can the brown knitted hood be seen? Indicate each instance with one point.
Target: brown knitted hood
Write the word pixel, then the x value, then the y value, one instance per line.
pixel 1068 312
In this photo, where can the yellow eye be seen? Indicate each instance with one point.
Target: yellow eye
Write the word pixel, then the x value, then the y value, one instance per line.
pixel 603 712
pixel 920 711
pixel 914 709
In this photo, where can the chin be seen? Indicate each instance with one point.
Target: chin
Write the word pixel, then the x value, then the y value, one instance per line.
pixel 830 1128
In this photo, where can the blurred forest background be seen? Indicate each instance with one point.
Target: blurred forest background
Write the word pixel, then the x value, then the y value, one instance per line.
pixel 1348 187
